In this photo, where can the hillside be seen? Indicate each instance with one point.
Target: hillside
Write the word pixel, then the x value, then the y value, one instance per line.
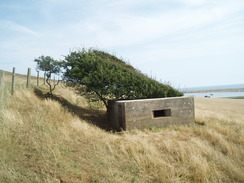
pixel 20 80
pixel 63 140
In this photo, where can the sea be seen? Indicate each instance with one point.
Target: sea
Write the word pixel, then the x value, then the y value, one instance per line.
pixel 216 94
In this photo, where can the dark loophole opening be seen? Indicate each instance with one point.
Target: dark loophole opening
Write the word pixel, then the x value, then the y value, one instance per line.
pixel 161 113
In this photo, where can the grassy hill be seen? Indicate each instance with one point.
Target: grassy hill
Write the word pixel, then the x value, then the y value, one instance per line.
pixel 63 140
pixel 20 81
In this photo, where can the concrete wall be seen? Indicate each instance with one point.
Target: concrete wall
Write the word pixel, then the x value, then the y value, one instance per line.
pixel 130 114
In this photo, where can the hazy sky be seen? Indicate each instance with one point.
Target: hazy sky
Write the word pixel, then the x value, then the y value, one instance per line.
pixel 185 42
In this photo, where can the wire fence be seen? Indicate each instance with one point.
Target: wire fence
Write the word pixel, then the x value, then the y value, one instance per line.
pixel 11 81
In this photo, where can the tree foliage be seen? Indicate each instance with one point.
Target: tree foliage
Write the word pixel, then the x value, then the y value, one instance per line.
pixel 105 77
pixel 49 66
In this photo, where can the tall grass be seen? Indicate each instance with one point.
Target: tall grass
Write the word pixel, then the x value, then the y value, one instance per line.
pixel 41 141
pixel 20 81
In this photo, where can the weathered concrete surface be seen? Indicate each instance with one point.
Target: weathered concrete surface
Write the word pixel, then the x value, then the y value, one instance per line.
pixel 130 114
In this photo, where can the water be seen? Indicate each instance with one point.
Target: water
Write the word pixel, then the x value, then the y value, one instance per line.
pixel 216 94
pixel 217 87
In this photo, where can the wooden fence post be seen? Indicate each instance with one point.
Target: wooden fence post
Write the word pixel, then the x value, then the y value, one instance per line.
pixel 13 81
pixel 28 78
pixel 37 79
pixel 1 87
pixel 44 82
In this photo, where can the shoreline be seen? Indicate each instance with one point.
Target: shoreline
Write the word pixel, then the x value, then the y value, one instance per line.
pixel 216 90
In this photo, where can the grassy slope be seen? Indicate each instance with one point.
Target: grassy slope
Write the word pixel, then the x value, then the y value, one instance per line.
pixel 42 142
pixel 20 81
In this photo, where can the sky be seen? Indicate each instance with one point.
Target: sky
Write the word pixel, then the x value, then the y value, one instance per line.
pixel 186 43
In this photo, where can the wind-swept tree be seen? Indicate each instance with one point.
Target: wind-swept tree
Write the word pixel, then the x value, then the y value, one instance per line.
pixel 49 66
pixel 105 77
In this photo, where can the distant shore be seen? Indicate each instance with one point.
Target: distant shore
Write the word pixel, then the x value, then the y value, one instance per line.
pixel 216 90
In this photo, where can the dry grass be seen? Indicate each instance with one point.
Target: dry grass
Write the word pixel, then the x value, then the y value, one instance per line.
pixel 20 81
pixel 41 141
pixel 226 110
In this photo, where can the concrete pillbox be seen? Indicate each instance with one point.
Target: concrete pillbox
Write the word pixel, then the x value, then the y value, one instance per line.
pixel 159 112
